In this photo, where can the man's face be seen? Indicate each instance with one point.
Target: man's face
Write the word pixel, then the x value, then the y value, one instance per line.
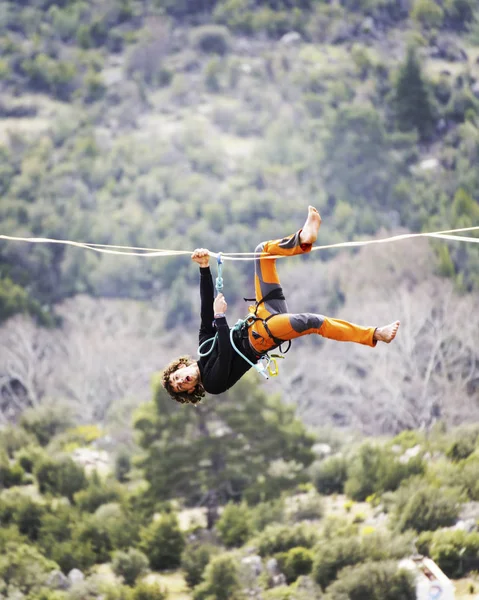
pixel 184 379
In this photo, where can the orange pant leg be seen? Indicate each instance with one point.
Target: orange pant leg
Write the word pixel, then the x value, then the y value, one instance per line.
pixel 291 326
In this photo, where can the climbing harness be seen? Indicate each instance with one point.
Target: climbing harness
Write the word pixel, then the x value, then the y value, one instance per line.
pixel 267 365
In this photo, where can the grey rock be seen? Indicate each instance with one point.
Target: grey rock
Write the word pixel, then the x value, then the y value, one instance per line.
pixel 475 89
pixel 56 580
pixel 254 563
pixel 75 575
pixel 272 566
pixel 368 25
pixel 292 38
pixel 277 580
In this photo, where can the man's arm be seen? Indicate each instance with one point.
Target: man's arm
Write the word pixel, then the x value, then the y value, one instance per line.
pixel 218 370
pixel 207 295
pixel 201 257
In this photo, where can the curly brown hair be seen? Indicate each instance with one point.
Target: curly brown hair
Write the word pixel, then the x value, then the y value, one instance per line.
pixel 181 397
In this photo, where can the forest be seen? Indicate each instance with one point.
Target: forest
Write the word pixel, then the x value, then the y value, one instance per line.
pixel 176 124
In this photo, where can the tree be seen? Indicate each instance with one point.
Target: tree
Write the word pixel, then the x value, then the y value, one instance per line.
pixel 412 105
pixel 358 164
pixel 375 581
pixel 221 580
pixel 218 452
pixel 130 565
pixel 234 525
pixel 163 543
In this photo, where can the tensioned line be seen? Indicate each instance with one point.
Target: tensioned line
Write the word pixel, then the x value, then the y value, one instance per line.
pixel 156 252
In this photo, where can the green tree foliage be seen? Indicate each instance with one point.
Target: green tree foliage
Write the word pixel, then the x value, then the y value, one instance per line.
pixel 194 560
pixel 163 542
pixel 213 39
pixel 375 581
pixel 10 474
pixel 425 508
pixel 359 164
pixel 459 13
pixel 234 525
pixel 330 475
pixel 62 477
pixel 330 558
pixel 97 492
pixel 223 450
pixel 149 591
pixel 46 421
pixel 428 13
pixel 281 538
pixel 455 552
pixel 26 514
pixel 374 469
pixel 297 562
pixel 412 104
pixel 130 565
pixel 221 581
pixel 23 568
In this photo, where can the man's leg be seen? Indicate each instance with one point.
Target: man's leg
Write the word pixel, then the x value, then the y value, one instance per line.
pixel 266 275
pixel 291 326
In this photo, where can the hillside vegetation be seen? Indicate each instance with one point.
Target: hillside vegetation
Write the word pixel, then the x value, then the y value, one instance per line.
pixel 231 504
pixel 215 124
pixel 179 124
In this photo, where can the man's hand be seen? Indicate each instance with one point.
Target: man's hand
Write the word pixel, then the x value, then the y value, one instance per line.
pixel 219 305
pixel 201 256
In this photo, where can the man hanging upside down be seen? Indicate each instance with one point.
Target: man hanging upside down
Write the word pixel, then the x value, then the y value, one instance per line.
pixel 187 380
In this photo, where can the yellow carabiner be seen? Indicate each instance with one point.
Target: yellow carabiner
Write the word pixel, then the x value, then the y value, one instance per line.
pixel 273 372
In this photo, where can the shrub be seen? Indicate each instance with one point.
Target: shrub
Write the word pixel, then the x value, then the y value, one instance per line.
pixel 281 538
pixel 149 591
pixel 28 457
pixel 374 581
pixel 234 525
pixel 221 581
pixel 13 439
pixel 426 508
pixel 23 512
pixel 122 466
pixel 213 39
pixel 298 561
pixel 10 474
pixel 266 513
pixel 376 470
pixel 60 477
pixel 428 13
pixel 456 552
pixel 130 565
pixel 96 494
pixel 94 535
pixel 212 75
pixel 423 542
pixel 459 13
pixel 123 528
pixel 331 557
pixel 46 421
pixel 282 592
pixel 163 543
pixel 304 507
pixel 330 475
pixel 462 101
pixel 24 568
pixel 194 560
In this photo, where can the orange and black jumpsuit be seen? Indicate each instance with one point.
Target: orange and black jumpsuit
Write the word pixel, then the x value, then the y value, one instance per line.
pixel 273 324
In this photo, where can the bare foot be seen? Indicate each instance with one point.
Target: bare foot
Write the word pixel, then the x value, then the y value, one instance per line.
pixel 309 233
pixel 386 333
